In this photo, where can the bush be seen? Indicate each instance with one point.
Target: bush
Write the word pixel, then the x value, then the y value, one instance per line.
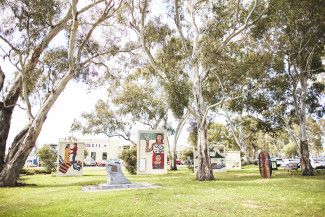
pixel 33 171
pixel 47 158
pixel 129 156
pixel 187 156
pixel 290 150
pixel 249 162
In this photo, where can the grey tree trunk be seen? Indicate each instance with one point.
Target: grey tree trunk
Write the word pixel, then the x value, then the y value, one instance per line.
pixel 14 162
pixel 291 134
pixel 306 167
pixel 6 110
pixel 25 140
pixel 173 164
pixel 204 170
pixel 178 131
pixel 8 105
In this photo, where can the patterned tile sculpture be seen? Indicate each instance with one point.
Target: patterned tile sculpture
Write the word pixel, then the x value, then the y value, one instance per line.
pixel 70 160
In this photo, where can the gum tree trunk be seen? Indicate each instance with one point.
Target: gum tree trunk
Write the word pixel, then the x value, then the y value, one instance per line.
pixel 204 169
pixel 9 103
pixel 25 140
pixel 179 128
pixel 306 167
pixel 6 110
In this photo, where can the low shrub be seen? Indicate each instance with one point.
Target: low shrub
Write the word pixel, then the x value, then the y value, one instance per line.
pixel 33 171
pixel 47 158
pixel 129 156
pixel 249 162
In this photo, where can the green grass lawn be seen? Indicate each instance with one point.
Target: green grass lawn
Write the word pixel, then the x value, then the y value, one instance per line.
pixel 236 193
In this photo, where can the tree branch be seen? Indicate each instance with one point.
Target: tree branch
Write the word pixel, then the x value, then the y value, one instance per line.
pixel 179 27
pixel 73 31
pixel 193 112
pixel 2 79
pixel 140 30
pixel 242 28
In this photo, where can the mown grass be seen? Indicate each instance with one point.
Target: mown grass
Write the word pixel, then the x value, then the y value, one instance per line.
pixel 236 193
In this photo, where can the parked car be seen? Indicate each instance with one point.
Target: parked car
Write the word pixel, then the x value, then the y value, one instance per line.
pixel 30 163
pixel 286 162
pixel 279 161
pixel 179 162
pixel 317 162
pixel 115 161
pixel 89 162
pixel 101 163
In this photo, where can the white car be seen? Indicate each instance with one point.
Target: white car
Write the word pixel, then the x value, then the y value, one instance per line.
pixel 90 162
pixel 286 162
pixel 279 161
pixel 317 163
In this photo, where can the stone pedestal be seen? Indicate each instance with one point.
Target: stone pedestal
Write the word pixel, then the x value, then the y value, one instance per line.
pixel 115 175
pixel 116 181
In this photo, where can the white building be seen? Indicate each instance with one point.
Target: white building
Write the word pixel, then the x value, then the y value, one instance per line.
pixel 100 150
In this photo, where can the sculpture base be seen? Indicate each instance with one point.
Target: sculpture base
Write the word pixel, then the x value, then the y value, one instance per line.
pixel 117 187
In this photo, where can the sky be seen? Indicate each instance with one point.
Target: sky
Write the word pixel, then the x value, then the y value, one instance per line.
pixel 74 100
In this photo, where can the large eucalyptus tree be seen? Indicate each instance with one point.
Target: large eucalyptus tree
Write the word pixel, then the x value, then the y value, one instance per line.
pixel 80 53
pixel 294 31
pixel 192 21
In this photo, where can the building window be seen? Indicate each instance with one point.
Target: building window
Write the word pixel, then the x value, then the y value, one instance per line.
pixel 93 155
pixel 104 156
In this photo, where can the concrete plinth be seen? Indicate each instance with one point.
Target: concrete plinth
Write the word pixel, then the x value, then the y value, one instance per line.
pixel 117 187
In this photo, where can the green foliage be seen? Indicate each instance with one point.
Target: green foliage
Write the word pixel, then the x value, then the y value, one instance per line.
pixel 129 156
pixel 290 150
pixel 192 137
pixel 219 134
pixel 156 32
pixel 178 96
pixel 177 84
pixel 293 31
pixel 101 121
pixel 35 12
pixel 187 154
pixel 32 17
pixel 142 102
pixel 48 158
pixel 314 135
pixel 34 171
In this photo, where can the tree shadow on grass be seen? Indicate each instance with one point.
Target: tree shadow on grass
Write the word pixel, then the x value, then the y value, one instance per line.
pixel 275 175
pixel 64 185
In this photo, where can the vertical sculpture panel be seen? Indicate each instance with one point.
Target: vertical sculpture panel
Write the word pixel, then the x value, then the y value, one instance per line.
pixel 152 152
pixel 71 156
pixel 265 165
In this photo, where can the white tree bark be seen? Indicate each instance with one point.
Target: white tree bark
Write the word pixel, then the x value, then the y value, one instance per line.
pixel 200 108
pixel 25 141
